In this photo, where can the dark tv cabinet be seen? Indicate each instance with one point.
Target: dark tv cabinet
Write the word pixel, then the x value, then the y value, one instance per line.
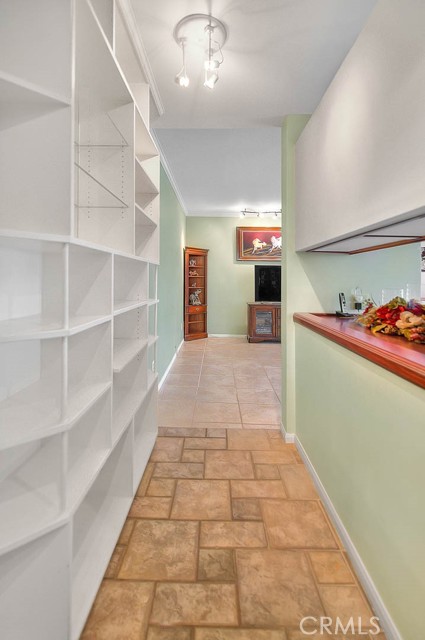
pixel 264 321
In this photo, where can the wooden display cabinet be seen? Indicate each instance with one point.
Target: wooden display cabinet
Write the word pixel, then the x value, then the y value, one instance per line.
pixel 263 322
pixel 195 293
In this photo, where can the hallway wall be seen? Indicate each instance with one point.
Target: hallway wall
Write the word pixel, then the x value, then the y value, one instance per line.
pixel 170 278
pixel 230 283
pixel 360 425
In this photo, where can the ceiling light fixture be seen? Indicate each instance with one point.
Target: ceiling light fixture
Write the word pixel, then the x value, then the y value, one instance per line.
pixel 193 30
pixel 260 214
pixel 182 78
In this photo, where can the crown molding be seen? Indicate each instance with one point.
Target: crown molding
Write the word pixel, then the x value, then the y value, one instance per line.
pixel 131 25
pixel 169 173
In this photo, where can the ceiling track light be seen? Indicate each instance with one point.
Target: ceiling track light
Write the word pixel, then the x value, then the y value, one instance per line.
pixel 260 214
pixel 186 32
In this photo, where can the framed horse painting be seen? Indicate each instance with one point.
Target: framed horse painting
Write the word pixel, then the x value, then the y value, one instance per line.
pixel 259 243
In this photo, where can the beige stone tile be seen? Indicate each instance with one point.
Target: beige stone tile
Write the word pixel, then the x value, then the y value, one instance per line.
pixel 195 604
pixel 232 534
pixel 172 393
pixel 331 567
pixel 297 481
pixel 186 369
pixel 218 369
pixel 210 380
pixel 254 396
pixel 296 524
pixel 217 393
pixel 202 500
pixel 228 464
pixel 174 633
pixel 277 443
pixel 241 634
pixel 315 633
pixel 218 425
pixel 205 443
pixel 248 425
pixel 283 591
pixel 244 439
pixel 217 432
pixel 178 470
pixel 176 412
pixel 121 610
pixel 161 550
pixel 193 455
pixel 193 432
pixel 216 412
pixel 246 509
pixel 345 602
pixel 163 487
pixel 257 489
pixel 126 532
pixel 283 456
pixel 115 561
pixel 252 382
pixel 216 565
pixel 144 483
pixel 266 472
pixel 167 449
pixel 150 507
pixel 260 413
pixel 183 379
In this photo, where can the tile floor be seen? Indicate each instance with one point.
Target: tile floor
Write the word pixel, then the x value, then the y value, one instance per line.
pixel 227 538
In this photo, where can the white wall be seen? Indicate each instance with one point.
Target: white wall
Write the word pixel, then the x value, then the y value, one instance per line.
pixel 361 157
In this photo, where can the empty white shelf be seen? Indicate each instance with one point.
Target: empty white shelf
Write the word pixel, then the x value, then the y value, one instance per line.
pixel 30 488
pixel 21 101
pixel 30 327
pixel 94 194
pixel 143 218
pixel 125 349
pixel 144 184
pixel 122 306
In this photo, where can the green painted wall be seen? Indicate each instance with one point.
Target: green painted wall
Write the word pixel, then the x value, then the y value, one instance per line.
pixel 364 430
pixel 362 427
pixel 170 275
pixel 311 282
pixel 230 283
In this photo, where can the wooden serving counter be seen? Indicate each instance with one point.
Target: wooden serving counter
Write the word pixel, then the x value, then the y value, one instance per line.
pixel 394 353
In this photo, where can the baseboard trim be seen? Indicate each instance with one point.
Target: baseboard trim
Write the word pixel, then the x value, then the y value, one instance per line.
pixel 386 622
pixel 227 335
pixel 288 437
pixel 167 371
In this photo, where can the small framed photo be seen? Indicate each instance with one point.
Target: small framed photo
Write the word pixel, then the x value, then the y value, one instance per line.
pixel 255 244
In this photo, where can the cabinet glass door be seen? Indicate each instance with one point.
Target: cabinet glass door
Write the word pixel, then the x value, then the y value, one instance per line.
pixel 264 322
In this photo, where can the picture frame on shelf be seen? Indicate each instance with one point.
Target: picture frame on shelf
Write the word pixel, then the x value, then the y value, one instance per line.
pixel 255 244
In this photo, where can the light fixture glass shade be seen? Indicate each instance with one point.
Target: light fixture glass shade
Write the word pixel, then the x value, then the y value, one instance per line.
pixel 181 79
pixel 211 77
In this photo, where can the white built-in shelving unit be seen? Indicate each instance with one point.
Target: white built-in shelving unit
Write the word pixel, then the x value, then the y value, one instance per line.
pixel 79 253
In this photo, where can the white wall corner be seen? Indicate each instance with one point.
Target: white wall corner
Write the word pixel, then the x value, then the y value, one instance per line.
pixel 288 437
pixel 386 622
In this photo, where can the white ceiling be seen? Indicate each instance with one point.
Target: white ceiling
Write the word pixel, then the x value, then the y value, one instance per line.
pixel 222 146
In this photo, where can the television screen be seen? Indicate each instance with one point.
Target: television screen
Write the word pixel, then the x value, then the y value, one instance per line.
pixel 267 283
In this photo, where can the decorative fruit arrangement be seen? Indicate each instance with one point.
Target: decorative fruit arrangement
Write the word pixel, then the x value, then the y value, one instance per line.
pixel 398 318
